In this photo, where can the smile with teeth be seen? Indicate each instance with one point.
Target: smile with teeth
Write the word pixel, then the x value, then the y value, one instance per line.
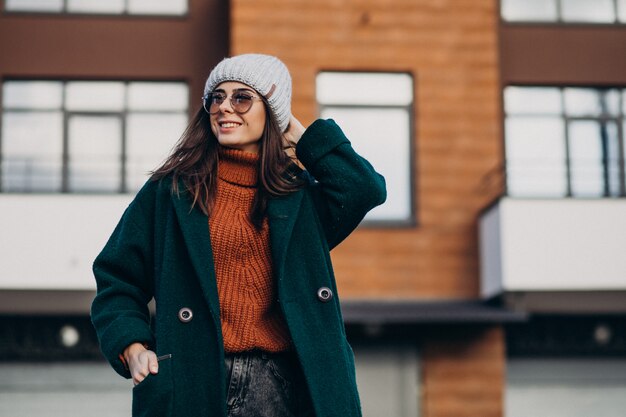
pixel 229 124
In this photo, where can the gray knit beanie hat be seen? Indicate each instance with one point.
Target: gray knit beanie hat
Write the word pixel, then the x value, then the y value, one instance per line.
pixel 264 73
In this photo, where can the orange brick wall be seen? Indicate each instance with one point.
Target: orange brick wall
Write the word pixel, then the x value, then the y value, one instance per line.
pixel 450 47
pixel 463 374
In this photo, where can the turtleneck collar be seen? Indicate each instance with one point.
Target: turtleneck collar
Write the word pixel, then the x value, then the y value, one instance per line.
pixel 238 167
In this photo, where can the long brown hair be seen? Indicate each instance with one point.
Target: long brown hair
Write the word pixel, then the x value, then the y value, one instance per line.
pixel 194 161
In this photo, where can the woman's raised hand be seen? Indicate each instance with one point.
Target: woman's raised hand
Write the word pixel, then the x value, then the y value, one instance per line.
pixel 294 131
pixel 141 362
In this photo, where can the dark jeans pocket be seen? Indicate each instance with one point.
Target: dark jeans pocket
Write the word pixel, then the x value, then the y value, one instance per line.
pixel 287 371
pixel 282 372
pixel 153 396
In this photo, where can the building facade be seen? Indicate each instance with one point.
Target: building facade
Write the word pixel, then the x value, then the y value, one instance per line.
pixel 495 266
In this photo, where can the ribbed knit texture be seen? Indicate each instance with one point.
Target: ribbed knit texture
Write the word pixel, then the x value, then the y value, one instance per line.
pixel 251 317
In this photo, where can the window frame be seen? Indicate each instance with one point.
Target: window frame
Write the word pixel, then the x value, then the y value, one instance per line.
pixel 66 114
pixel 411 220
pixel 603 120
pixel 65 12
pixel 559 17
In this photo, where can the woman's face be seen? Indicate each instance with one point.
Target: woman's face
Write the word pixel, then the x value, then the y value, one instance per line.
pixel 238 130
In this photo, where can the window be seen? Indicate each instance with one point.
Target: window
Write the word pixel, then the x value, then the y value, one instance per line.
pixel 375 112
pixel 388 377
pixel 566 11
pixel 140 7
pixel 565 141
pixel 87 136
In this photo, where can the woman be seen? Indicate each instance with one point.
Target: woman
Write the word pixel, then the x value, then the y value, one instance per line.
pixel 231 237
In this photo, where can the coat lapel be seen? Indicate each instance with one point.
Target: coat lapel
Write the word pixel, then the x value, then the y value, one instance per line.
pixel 282 213
pixel 195 229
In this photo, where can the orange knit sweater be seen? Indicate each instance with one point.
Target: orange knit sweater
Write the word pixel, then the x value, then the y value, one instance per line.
pixel 251 317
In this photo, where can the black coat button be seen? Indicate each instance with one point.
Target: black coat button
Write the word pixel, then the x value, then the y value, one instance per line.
pixel 185 314
pixel 324 294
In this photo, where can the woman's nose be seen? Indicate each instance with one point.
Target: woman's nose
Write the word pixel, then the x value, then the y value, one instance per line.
pixel 226 106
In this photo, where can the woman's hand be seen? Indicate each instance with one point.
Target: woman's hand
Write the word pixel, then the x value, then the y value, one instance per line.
pixel 294 131
pixel 141 362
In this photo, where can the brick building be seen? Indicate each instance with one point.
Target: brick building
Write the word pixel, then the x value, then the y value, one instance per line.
pixel 482 278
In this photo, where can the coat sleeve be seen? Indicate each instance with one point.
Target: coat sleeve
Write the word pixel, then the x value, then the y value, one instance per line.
pixel 124 279
pixel 346 185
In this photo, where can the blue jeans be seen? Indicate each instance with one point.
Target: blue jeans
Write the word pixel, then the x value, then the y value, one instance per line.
pixel 261 384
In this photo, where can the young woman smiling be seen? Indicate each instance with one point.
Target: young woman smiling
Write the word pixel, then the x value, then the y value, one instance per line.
pixel 231 238
pixel 233 129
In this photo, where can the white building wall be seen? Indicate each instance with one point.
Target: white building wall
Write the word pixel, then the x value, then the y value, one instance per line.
pixel 50 241
pixel 554 245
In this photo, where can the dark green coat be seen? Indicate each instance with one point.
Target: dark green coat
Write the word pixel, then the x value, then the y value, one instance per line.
pixel 162 249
